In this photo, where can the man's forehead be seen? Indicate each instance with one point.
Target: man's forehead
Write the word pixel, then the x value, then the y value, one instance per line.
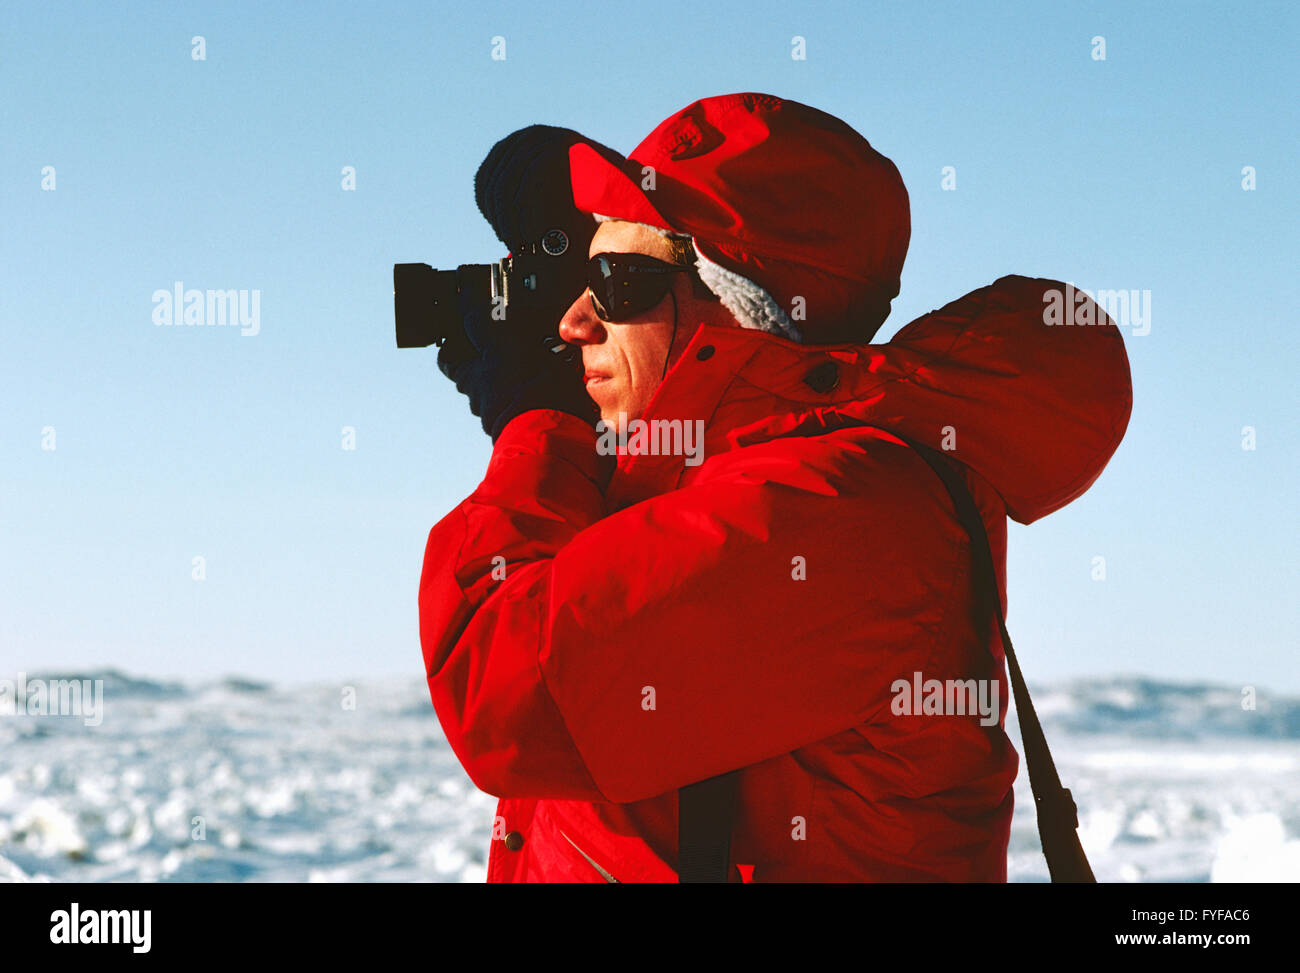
pixel 620 236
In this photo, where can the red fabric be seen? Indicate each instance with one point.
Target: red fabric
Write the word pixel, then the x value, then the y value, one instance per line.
pixel 679 578
pixel 779 192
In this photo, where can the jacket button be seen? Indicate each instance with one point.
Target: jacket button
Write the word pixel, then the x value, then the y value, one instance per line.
pixel 514 841
pixel 705 353
pixel 823 378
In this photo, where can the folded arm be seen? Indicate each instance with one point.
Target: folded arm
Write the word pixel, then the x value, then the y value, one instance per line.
pixel 574 654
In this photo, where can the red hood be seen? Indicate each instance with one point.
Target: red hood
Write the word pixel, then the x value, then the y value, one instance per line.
pixel 1036 410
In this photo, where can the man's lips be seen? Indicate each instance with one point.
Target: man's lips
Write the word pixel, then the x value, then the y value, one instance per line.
pixel 591 378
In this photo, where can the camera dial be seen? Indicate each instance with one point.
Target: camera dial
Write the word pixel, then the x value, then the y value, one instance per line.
pixel 555 242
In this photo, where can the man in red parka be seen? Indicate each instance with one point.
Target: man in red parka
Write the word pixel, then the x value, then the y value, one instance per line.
pixel 600 631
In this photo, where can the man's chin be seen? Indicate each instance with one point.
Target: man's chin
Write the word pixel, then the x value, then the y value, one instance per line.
pixel 613 417
pixel 608 401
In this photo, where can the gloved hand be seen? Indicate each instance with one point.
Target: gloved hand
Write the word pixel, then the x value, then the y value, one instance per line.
pixel 506 368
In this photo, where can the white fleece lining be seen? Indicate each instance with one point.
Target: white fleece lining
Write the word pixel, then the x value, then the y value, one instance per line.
pixel 752 306
pixel 749 304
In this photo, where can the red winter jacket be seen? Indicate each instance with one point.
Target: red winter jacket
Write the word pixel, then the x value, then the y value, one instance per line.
pixel 754 611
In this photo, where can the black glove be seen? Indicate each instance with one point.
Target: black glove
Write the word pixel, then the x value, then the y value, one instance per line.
pixel 506 368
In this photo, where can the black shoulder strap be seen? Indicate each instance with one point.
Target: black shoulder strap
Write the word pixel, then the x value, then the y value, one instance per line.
pixel 704 816
pixel 1058 818
pixel 704 808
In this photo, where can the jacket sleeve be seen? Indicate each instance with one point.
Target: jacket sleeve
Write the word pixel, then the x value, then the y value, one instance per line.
pixel 769 604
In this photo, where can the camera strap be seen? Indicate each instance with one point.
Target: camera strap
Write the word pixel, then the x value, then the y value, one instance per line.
pixel 705 807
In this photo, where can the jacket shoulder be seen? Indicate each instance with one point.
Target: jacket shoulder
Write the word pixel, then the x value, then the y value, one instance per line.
pixel 850 461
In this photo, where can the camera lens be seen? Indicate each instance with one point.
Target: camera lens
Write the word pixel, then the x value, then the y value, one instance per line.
pixel 424 304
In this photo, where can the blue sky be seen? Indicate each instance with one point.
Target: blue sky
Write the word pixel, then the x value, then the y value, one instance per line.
pixel 225 173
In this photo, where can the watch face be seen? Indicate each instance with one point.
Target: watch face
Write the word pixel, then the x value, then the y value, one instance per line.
pixel 555 242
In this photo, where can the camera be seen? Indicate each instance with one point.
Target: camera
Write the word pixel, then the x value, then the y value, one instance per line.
pixel 534 286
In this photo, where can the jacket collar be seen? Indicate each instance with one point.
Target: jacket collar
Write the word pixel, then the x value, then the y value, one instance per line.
pixel 744 385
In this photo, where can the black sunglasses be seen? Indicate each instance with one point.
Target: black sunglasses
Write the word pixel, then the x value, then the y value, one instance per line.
pixel 623 285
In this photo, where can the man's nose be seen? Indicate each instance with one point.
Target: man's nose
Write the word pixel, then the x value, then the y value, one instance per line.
pixel 580 325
